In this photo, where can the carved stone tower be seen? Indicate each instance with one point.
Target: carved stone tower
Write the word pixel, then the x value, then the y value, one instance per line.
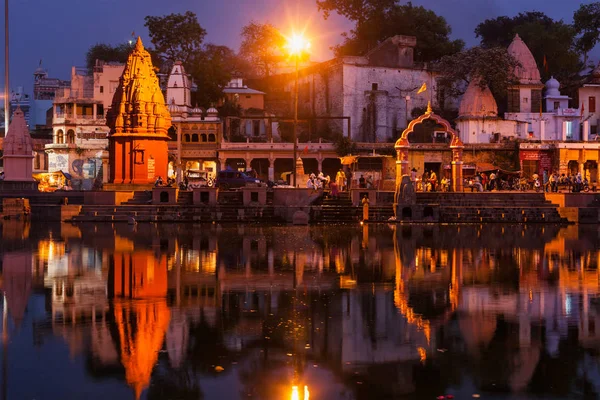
pixel 138 121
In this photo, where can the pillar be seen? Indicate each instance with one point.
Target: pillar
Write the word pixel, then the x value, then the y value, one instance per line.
pixel 564 131
pixel 54 111
pixel 586 131
pixel 457 164
pixel 248 162
pixel 178 172
pixel 74 110
pixel 320 163
pixel 94 111
pixel 402 167
pixel 542 129
pixel 221 162
pixel 271 169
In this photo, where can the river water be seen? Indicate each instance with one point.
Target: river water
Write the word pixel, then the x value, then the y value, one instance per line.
pixel 324 312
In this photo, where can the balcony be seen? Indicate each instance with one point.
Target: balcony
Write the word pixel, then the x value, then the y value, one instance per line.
pixel 68 93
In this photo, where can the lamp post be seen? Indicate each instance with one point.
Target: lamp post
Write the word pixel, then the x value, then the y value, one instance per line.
pixel 296 45
pixel 6 85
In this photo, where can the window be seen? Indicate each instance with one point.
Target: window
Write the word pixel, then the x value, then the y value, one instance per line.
pixel 211 137
pixel 101 89
pixel 569 127
pixel 556 105
pixel 186 137
pixel 248 97
pixel 592 104
pixel 256 127
pixel 593 129
pixel 203 137
pixel 194 137
pixel 70 136
pixel 525 100
pixel 374 86
pixel 60 137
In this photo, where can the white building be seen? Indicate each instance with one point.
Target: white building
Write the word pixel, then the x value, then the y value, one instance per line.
pixel 372 95
pixel 79 132
pixel 559 122
pixel 588 95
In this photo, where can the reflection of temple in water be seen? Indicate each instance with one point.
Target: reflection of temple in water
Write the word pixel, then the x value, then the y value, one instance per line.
pixel 370 301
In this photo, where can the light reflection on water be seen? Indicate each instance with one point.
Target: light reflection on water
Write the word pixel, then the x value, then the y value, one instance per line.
pixel 339 312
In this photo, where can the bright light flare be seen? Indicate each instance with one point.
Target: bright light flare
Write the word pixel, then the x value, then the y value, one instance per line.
pixel 297 44
pixel 296 393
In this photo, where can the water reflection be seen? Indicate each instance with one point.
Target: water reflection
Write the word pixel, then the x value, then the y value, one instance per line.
pixel 185 311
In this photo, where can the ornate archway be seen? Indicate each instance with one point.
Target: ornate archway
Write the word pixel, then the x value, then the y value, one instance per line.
pixel 402 147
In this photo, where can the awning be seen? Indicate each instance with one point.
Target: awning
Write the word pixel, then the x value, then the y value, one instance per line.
pixel 489 167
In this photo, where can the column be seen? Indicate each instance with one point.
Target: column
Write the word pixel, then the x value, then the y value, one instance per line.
pixel 586 131
pixel 54 111
pixel 178 171
pixel 320 163
pixel 402 166
pixel 271 169
pixel 248 162
pixel 457 164
pixel 222 161
pixel 74 110
pixel 94 111
pixel 564 131
pixel 542 129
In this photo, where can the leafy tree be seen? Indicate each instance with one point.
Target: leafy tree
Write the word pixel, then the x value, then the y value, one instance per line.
pixel 108 53
pixel 544 36
pixel 119 53
pixel 493 66
pixel 357 11
pixel 176 37
pixel 211 69
pixel 431 30
pixel 262 45
pixel 586 21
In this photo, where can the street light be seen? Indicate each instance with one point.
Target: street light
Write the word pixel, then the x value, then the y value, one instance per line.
pixel 297 45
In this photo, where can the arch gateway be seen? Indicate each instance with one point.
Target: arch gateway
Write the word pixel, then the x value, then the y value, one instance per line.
pixel 403 146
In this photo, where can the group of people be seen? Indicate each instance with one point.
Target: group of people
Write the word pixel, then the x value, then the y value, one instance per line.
pixel 573 182
pixel 317 181
pixel 428 182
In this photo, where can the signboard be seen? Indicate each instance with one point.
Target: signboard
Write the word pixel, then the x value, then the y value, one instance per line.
pixel 151 168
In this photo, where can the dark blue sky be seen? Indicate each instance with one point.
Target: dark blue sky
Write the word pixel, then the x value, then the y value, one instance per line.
pixel 59 32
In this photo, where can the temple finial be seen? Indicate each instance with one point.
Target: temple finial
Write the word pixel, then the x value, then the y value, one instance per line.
pixel 429 110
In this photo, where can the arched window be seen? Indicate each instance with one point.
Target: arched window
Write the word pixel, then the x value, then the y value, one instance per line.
pixel 203 137
pixel 211 137
pixel 186 137
pixel 60 137
pixel 195 137
pixel 70 136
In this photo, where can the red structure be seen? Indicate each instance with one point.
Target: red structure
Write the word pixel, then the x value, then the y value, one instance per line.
pixel 138 121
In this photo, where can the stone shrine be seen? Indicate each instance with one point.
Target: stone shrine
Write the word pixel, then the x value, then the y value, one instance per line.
pixel 18 156
pixel 138 121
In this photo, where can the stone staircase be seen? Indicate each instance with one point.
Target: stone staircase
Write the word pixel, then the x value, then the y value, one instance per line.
pixel 139 198
pixel 185 198
pixel 492 207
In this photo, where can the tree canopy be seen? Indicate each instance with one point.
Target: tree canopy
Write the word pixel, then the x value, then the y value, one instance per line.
pixel 377 20
pixel 492 66
pixel 262 45
pixel 586 21
pixel 176 37
pixel 119 53
pixel 545 37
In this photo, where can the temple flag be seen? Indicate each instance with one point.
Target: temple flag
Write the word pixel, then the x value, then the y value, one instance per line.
pixel 305 150
pixel 422 88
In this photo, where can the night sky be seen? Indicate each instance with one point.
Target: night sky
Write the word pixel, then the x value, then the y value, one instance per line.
pixel 60 32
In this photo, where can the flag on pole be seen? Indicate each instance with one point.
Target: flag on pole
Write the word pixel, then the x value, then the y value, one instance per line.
pixel 132 33
pixel 545 64
pixel 305 150
pixel 422 88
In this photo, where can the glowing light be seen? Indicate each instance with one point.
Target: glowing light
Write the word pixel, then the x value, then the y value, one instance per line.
pixel 296 393
pixel 297 44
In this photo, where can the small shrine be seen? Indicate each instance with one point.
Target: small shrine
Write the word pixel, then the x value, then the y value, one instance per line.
pixel 139 121
pixel 18 156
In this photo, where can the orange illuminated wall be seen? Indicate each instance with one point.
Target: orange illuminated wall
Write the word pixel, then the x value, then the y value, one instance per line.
pixel 139 275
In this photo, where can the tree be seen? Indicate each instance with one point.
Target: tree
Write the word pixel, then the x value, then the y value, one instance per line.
pixel 119 53
pixel 544 36
pixel 176 37
pixel 357 11
pixel 586 21
pixel 211 69
pixel 432 32
pixel 493 66
pixel 262 45
pixel 108 53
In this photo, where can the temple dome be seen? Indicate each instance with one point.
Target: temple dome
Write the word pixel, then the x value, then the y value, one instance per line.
pixel 527 72
pixel 212 110
pixel 552 86
pixel 18 141
pixel 477 102
pixel 174 108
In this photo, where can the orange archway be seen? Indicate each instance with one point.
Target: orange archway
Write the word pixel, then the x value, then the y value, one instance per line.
pixel 402 147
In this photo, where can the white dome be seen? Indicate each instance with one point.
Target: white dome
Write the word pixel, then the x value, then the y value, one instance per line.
pixel 527 72
pixel 212 110
pixel 196 110
pixel 552 86
pixel 174 108
pixel 477 102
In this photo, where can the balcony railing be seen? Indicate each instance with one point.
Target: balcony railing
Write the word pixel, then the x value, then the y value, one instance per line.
pixel 68 93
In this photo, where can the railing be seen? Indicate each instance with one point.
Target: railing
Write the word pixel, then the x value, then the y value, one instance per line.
pixel 68 93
